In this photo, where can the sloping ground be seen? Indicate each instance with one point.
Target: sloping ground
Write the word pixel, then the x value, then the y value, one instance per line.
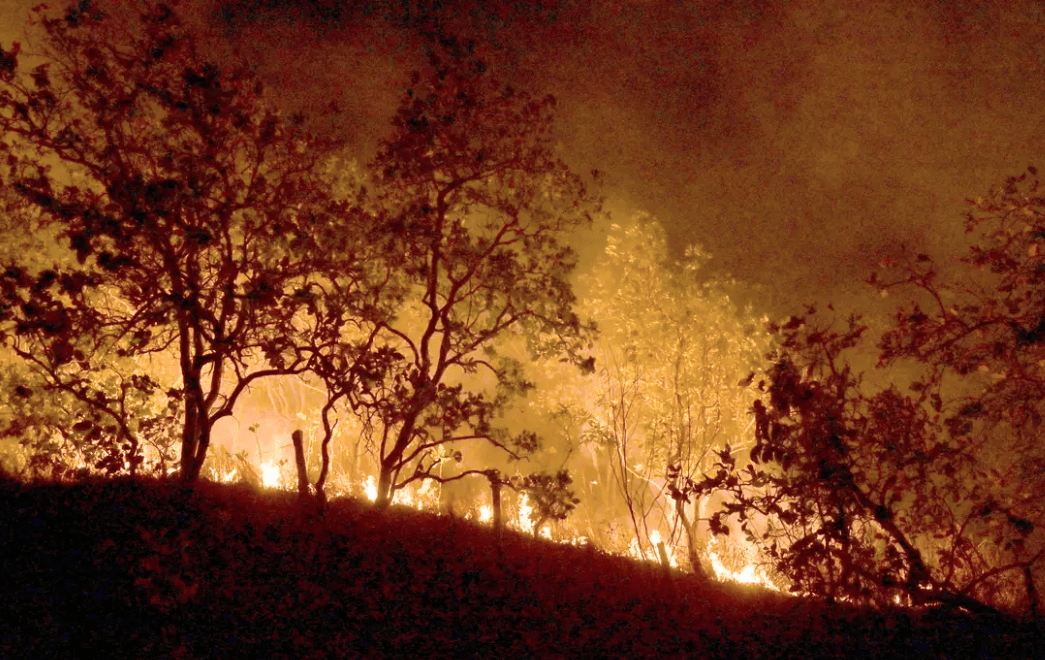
pixel 149 569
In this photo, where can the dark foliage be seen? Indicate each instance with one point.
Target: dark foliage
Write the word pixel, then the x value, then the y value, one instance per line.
pixel 188 217
pixel 862 495
pixel 480 208
pixel 931 496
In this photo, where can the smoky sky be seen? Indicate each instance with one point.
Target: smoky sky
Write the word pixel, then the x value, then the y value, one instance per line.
pixel 798 142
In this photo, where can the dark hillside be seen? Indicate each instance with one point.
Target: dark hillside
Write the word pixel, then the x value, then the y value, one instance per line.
pixel 150 569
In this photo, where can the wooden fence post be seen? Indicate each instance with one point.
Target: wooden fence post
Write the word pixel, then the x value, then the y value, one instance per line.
pixel 664 561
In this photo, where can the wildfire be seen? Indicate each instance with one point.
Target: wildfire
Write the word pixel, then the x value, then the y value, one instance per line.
pixel 421 498
pixel 655 540
pixel 642 554
pixel 525 509
pixel 750 574
pixel 370 489
pixel 426 496
pixel 270 475
pixel 525 523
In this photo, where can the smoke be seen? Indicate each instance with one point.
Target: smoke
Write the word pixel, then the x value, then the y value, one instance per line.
pixel 797 142
pixel 799 145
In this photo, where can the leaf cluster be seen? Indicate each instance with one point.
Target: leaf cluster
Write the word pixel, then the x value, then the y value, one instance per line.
pixel 879 497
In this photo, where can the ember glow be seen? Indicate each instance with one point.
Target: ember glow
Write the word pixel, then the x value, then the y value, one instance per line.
pixel 370 488
pixel 425 496
pixel 750 574
pixel 270 475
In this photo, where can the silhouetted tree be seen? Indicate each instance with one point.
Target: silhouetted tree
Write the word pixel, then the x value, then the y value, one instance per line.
pixel 473 195
pixel 932 496
pixel 190 216
pixel 851 496
pixel 981 342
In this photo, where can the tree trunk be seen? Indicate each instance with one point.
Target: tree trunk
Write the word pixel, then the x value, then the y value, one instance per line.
pixel 384 481
pixel 196 462
pixel 189 441
pixel 195 435
pixel 384 487
pixel 299 461
pixel 324 471
pixel 192 459
pixel 495 488
pixel 693 546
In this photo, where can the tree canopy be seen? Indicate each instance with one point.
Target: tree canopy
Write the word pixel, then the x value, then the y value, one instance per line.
pixel 663 396
pixel 191 214
pixel 480 207
pixel 929 493
pixel 207 241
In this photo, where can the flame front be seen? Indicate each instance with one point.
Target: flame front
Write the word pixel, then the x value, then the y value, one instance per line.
pixel 750 574
pixel 426 497
pixel 270 475
pixel 525 509
pixel 370 489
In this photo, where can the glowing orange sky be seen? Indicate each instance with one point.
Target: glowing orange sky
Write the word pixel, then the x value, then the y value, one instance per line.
pixel 796 141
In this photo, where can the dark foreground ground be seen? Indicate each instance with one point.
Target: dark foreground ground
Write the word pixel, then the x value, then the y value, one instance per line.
pixel 123 569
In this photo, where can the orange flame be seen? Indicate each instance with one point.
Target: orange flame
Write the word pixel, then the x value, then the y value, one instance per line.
pixel 370 489
pixel 427 497
pixel 750 574
pixel 270 475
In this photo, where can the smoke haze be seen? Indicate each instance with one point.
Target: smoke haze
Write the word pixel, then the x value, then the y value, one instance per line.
pixel 797 142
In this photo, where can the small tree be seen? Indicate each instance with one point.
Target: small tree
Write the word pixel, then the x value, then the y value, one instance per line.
pixel 861 496
pixel 62 431
pixel 191 216
pixel 664 397
pixel 927 498
pixel 981 341
pixel 479 207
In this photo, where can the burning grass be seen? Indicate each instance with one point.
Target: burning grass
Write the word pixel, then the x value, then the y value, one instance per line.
pixel 152 569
